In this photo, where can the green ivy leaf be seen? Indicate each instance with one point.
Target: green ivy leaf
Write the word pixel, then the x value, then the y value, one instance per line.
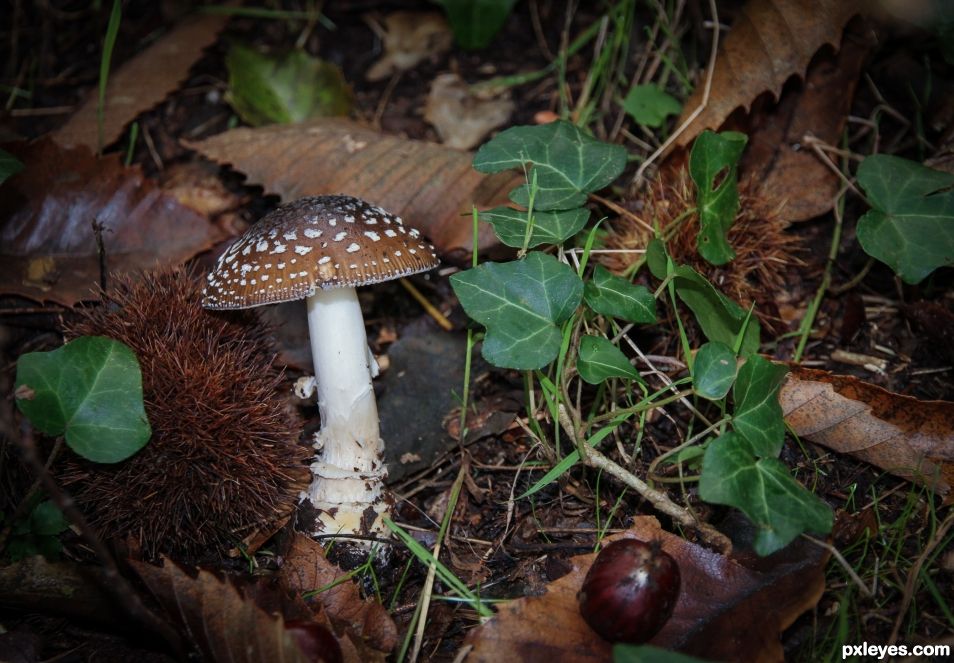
pixel 763 490
pixel 616 297
pixel 568 163
pixel 649 105
pixel 9 165
pixel 649 654
pixel 47 519
pixel 910 227
pixel 522 304
pixel 757 415
pixel 713 370
pixel 265 89
pixel 510 225
pixel 476 22
pixel 721 318
pixel 599 360
pixel 716 157
pixel 90 391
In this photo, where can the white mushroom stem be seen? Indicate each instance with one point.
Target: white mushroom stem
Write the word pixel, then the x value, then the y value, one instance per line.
pixel 348 474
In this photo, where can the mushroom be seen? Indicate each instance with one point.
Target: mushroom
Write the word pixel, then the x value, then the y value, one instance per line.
pixel 320 249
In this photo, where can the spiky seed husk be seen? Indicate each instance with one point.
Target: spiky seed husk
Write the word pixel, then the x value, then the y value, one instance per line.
pixel 224 457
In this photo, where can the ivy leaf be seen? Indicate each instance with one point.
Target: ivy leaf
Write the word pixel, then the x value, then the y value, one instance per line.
pixel 910 227
pixel 758 415
pixel 714 160
pixel 568 163
pixel 721 318
pixel 90 391
pixel 599 360
pixel 713 370
pixel 510 225
pixel 476 22
pixel 265 89
pixel 9 165
pixel 616 297
pixel 649 654
pixel 649 105
pixel 522 304
pixel 763 490
pixel 47 519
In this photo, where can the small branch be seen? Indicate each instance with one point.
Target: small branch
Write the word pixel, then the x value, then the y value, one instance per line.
pixel 844 564
pixel 660 501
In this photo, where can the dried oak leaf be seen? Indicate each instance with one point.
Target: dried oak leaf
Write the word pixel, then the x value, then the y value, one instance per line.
pixel 218 619
pixel 47 244
pixel 786 171
pixel 726 611
pixel 141 83
pixel 431 186
pixel 306 569
pixel 908 437
pixel 770 41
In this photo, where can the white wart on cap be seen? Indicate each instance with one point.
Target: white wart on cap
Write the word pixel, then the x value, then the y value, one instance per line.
pixel 318 242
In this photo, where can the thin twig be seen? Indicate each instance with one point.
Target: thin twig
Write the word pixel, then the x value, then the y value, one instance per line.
pixel 844 564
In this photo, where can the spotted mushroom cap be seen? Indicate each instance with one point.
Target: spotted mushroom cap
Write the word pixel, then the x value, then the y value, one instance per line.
pixel 311 243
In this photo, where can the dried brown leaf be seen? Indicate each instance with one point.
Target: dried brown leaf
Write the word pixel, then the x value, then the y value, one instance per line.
pixel 726 611
pixel 788 172
pixel 306 569
pixel 47 245
pixel 408 39
pixel 222 623
pixel 461 117
pixel 141 83
pixel 770 41
pixel 431 186
pixel 908 437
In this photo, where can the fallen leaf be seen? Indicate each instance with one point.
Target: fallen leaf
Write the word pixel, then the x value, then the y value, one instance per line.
pixel 47 245
pixel 908 437
pixel 408 39
pixel 461 117
pixel 222 623
pixel 770 41
pixel 726 611
pixel 787 171
pixel 306 569
pixel 141 83
pixel 431 186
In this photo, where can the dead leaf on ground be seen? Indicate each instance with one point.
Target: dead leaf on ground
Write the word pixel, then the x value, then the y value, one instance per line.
pixel 431 186
pixel 770 41
pixel 142 82
pixel 725 612
pixel 306 569
pixel 461 117
pixel 47 245
pixel 908 437
pixel 217 618
pixel 408 39
pixel 787 171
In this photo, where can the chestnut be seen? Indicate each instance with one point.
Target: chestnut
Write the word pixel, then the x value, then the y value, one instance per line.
pixel 630 591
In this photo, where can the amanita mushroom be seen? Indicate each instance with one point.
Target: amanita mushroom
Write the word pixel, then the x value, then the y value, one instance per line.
pixel 320 249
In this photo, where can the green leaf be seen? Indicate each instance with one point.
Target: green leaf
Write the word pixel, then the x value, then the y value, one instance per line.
pixel 648 654
pixel 568 163
pixel 656 258
pixel 90 391
pixel 721 318
pixel 522 304
pixel 616 297
pixel 649 105
pixel 599 360
pixel 910 227
pixel 713 370
pixel 715 157
pixel 294 87
pixel 757 415
pixel 763 490
pixel 510 225
pixel 476 22
pixel 47 519
pixel 9 165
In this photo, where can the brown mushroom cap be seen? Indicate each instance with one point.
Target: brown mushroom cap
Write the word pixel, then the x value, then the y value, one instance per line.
pixel 311 243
